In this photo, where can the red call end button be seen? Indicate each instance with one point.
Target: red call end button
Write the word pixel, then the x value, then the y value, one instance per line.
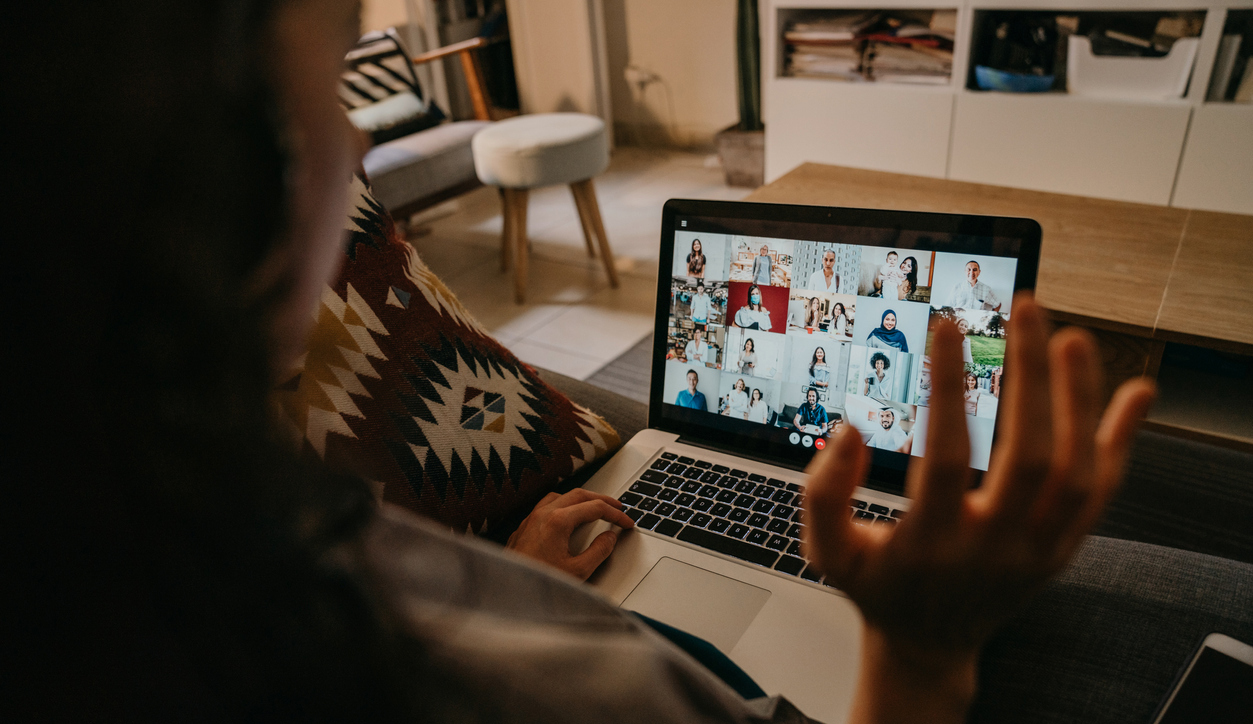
pixel 820 443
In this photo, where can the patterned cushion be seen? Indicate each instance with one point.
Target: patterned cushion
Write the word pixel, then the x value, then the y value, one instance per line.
pixel 403 387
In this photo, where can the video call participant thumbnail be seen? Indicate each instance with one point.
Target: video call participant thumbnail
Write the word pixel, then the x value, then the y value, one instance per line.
pixel 825 279
pixel 690 397
pixel 700 305
pixel 697 350
pixel 811 417
pixel 890 435
pixel 970 293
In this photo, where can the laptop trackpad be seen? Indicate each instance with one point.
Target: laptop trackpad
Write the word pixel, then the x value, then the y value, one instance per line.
pixel 713 607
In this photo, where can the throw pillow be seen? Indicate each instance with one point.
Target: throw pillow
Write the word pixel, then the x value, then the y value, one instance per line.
pixel 402 386
pixel 380 91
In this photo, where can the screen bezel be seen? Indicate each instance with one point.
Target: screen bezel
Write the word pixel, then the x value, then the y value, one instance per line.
pixel 986 235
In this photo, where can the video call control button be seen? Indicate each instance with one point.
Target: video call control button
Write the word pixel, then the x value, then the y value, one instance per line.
pixel 820 443
pixel 807 441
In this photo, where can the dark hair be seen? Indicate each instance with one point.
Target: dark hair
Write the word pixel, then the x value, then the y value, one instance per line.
pixel 912 276
pixel 750 296
pixel 172 552
pixel 813 390
pixel 887 363
pixel 693 372
pixel 748 341
pixel 813 362
pixel 843 311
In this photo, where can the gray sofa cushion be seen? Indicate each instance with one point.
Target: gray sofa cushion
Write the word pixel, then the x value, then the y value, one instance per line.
pixel 422 164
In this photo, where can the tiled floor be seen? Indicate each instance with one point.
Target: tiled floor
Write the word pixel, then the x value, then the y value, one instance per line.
pixel 573 322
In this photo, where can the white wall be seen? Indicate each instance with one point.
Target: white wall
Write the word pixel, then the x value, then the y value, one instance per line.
pixel 382 14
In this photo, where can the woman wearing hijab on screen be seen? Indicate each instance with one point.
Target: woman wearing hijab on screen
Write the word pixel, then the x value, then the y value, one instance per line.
pixel 758 410
pixel 748 357
pixel 753 315
pixel 886 335
pixel 879 381
pixel 696 260
pixel 819 372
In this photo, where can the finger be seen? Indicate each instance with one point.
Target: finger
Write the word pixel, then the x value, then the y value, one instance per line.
pixel 588 561
pixel 569 518
pixel 830 539
pixel 1024 455
pixel 580 495
pixel 938 482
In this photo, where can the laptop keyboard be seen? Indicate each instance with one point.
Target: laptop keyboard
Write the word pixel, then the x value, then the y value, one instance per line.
pixel 733 512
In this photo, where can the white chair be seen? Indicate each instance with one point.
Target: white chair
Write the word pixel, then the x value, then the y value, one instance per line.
pixel 544 149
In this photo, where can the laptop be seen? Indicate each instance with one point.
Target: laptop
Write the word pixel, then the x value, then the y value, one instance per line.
pixel 776 327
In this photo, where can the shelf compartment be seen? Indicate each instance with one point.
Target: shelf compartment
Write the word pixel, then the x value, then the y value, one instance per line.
pixel 908 46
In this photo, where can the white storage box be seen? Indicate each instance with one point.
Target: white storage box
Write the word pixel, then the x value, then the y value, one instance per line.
pixel 1131 78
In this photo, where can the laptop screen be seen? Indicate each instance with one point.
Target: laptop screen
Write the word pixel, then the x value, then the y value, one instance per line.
pixel 777 326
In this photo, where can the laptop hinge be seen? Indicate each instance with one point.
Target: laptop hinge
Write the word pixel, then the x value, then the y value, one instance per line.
pixel 747 456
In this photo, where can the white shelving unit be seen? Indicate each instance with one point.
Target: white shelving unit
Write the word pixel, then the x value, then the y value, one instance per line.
pixel 1186 152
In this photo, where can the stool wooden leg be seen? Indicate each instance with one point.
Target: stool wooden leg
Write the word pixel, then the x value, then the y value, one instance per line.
pixel 506 234
pixel 517 204
pixel 585 198
pixel 586 221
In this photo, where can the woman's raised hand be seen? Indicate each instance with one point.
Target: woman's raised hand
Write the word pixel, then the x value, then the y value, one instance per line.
pixel 935 587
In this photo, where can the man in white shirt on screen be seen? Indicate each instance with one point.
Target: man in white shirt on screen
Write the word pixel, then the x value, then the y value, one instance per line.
pixel 825 279
pixel 891 437
pixel 970 293
pixel 700 305
pixel 696 349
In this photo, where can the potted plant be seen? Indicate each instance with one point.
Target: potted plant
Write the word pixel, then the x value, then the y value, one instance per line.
pixel 742 147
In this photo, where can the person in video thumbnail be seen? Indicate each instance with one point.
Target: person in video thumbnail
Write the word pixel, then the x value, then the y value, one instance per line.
pixel 909 282
pixel 813 313
pixel 886 335
pixel 810 416
pixel 879 381
pixel 696 260
pixel 700 304
pixel 748 357
pixel 839 321
pixel 737 401
pixel 753 315
pixel 762 266
pixel 970 293
pixel 889 278
pixel 758 410
pixel 891 437
pixel 825 279
pixel 972 394
pixel 924 383
pixel 697 350
pixel 819 372
pixel 964 327
pixel 690 398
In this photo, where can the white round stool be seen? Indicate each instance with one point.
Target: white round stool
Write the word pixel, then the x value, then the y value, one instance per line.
pixel 544 149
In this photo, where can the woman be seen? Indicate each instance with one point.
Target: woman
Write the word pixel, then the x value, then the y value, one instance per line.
pixel 696 261
pixel 886 335
pixel 753 315
pixel 758 410
pixel 972 394
pixel 748 357
pixel 909 270
pixel 964 327
pixel 168 554
pixel 737 401
pixel 813 314
pixel 879 381
pixel 819 372
pixel 840 326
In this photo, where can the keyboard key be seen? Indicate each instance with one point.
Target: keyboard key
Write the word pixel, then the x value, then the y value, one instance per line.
pixel 878 509
pixel 646 489
pixel 630 498
pixel 776 543
pixel 682 514
pixel 782 511
pixel 690 486
pixel 700 520
pixel 693 472
pixel 666 509
pixel 898 514
pixel 648 503
pixel 757 520
pixel 795 531
pixel 653 476
pixel 745 501
pixel 794 548
pixel 775 482
pixel 728 481
pixel 675 481
pixel 783 496
pixel 686 460
pixel 794 487
pixel 703 504
pixel 790 565
pixel 648 521
pixel 721 469
pixel 757 478
pixel 796 517
pixel 685 499
pixel 703 464
pixel 745 487
pixel 669 456
pixel 711 477
pixel 719 525
pixel 777 526
pixel 765 490
pixel 739 515
pixel 676 469
pixel 634 514
pixel 738 530
pixel 861 517
pixel 726 496
pixel 660 465
pixel 763 506
pixel 720 510
pixel 669 527
pixel 708 491
pixel 668 494
pixel 884 520
pixel 728 546
pixel 739 473
pixel 757 537
pixel 859 504
pixel 809 574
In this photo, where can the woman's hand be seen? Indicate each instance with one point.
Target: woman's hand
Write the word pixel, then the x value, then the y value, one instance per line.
pixel 545 534
pixel 935 587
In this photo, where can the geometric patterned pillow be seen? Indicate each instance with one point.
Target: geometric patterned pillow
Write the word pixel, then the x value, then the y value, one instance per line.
pixel 404 388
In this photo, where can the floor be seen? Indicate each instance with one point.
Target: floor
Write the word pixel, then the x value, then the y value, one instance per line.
pixel 573 322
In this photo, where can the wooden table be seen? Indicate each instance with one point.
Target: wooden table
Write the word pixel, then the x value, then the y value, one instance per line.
pixel 1141 275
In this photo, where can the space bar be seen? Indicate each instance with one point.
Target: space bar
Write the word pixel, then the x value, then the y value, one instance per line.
pixel 729 546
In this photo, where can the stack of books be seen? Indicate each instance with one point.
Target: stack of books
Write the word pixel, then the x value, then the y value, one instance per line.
pixel 829 47
pixel 887 47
